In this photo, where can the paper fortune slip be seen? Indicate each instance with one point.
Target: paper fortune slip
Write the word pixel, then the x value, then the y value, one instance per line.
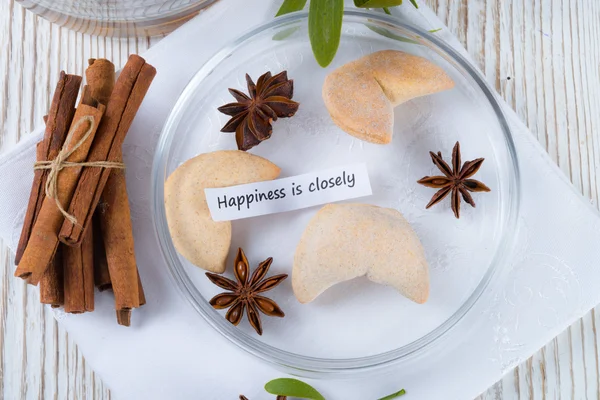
pixel 288 194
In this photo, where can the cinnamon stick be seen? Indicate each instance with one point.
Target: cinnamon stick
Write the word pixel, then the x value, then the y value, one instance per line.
pixel 141 290
pixel 117 258
pixel 124 317
pixel 130 89
pixel 43 240
pixel 78 264
pixel 100 77
pixel 101 274
pixel 58 121
pixel 117 231
pixel 51 284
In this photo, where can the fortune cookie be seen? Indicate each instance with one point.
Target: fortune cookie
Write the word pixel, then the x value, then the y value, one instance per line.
pixel 204 242
pixel 361 95
pixel 345 241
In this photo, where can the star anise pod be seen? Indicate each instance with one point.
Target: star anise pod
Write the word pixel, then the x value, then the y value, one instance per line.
pixel 251 117
pixel 455 181
pixel 245 293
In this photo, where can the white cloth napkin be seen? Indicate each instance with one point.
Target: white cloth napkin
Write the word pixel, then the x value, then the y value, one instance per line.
pixel 172 353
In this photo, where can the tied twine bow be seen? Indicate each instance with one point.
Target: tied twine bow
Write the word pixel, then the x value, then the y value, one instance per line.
pixel 57 165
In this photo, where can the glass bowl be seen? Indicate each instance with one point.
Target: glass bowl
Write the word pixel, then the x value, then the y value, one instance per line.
pixel 354 326
pixel 122 18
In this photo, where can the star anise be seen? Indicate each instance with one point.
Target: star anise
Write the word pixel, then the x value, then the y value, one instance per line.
pixel 242 397
pixel 245 293
pixel 455 181
pixel 252 115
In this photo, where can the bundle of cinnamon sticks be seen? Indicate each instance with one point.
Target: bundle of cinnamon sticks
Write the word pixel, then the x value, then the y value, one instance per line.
pixel 77 233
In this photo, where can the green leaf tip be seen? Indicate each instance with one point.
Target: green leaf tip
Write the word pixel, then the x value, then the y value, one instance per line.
pixel 293 388
pixel 284 34
pixel 394 395
pixel 377 3
pixel 391 35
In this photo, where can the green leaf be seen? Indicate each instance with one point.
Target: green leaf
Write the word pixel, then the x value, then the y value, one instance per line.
pixel 394 395
pixel 287 7
pixel 290 6
pixel 387 11
pixel 284 34
pixel 414 3
pixel 391 35
pixel 293 387
pixel 325 28
pixel 377 3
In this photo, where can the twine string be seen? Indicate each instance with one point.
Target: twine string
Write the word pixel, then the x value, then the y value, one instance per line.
pixel 60 162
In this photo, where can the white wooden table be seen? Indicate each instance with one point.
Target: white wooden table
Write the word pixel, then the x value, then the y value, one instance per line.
pixel 543 56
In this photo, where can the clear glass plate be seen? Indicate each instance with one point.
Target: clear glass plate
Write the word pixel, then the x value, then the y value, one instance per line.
pixel 119 18
pixel 356 325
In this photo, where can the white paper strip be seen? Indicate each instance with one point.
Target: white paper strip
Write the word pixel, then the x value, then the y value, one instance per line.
pixel 287 194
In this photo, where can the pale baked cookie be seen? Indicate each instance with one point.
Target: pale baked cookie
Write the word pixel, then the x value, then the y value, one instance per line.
pixel 196 236
pixel 361 95
pixel 345 241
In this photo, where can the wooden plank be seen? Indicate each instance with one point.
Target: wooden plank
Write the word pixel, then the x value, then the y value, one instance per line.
pixel 589 353
pixel 592 77
pixel 536 372
pixel 548 49
pixel 4 305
